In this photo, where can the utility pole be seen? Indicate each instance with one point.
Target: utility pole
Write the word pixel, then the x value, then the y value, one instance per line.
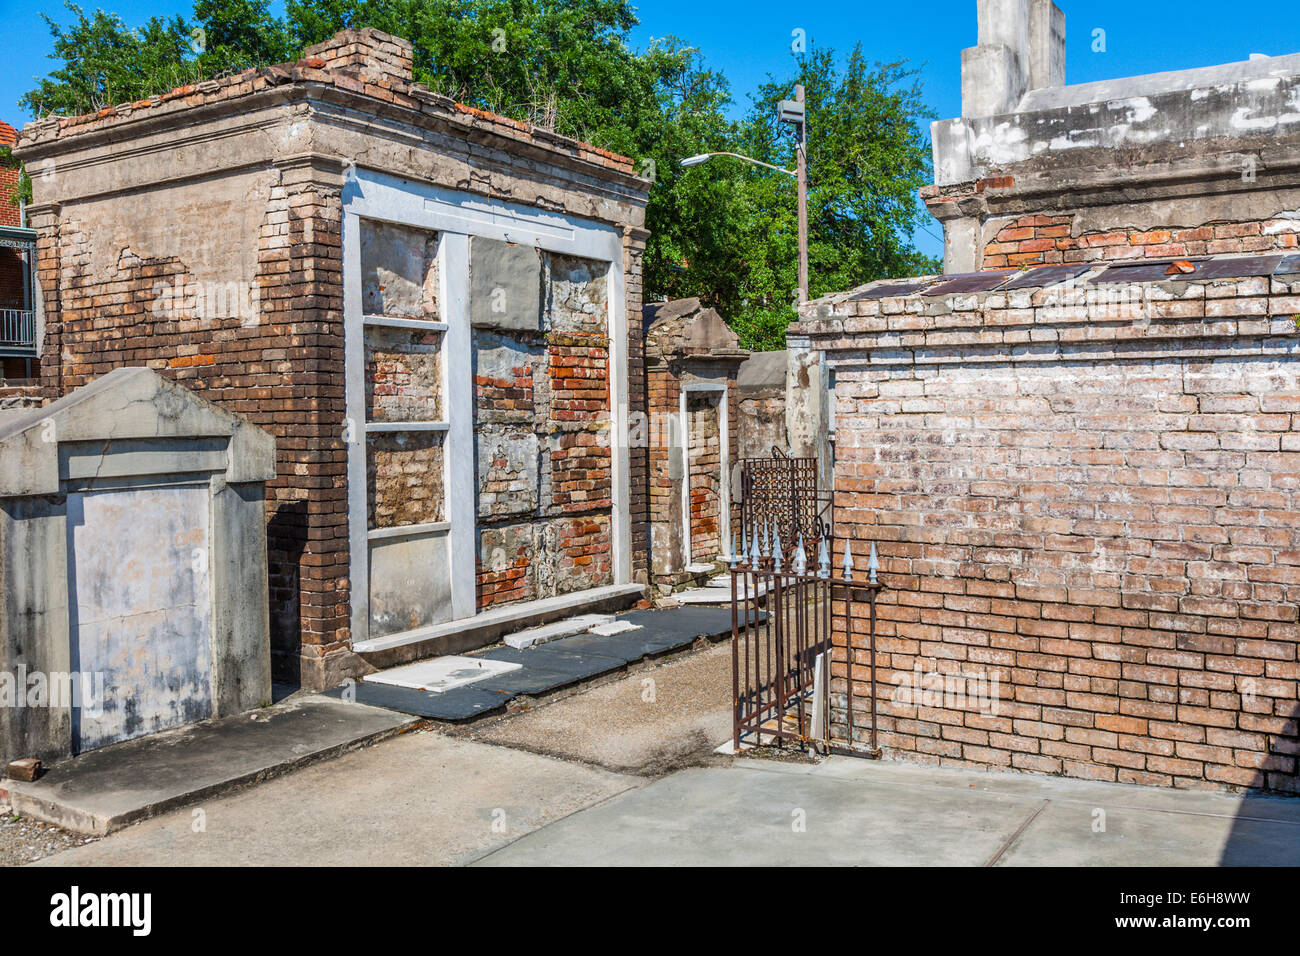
pixel 802 169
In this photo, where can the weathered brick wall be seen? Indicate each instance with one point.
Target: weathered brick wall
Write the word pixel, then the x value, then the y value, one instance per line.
pixel 663 493
pixel 20 396
pixel 1051 239
pixel 10 214
pixel 1095 515
pixel 664 438
pixel 634 240
pixel 279 364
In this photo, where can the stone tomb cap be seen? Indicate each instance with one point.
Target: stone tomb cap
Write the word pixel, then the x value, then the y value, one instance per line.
pixel 129 407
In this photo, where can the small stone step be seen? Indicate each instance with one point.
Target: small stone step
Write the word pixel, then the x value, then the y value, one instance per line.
pixel 718 591
pixel 553 632
pixel 614 627
pixel 104 790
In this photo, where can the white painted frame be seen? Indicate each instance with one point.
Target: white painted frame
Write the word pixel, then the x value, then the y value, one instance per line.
pixel 724 479
pixel 456 216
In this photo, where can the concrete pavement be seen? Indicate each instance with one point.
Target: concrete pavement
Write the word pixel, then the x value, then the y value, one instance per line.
pixel 418 800
pixel 498 795
pixel 104 790
pixel 846 811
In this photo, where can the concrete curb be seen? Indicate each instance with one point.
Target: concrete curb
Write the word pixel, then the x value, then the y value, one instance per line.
pixel 44 801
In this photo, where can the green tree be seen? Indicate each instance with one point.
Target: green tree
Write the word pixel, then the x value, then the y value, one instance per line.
pixel 233 35
pixel 726 232
pixel 21 191
pixel 867 157
pixel 105 62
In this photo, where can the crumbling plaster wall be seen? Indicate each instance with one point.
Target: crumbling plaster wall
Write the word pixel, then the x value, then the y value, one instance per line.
pixel 1174 152
pixel 542 422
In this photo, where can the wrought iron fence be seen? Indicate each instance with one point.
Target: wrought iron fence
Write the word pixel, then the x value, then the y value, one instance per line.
pixel 785 641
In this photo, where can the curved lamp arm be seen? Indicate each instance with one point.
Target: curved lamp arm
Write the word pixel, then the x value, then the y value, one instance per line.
pixel 705 157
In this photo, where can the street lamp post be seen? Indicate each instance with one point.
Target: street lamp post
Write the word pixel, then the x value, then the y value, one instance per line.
pixel 793 112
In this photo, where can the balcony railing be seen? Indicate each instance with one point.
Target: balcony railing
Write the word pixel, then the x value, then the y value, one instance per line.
pixel 18 331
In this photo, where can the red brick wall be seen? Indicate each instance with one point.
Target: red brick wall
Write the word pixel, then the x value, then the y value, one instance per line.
pixel 638 451
pixel 10 213
pixel 558 391
pixel 1111 530
pixel 1046 240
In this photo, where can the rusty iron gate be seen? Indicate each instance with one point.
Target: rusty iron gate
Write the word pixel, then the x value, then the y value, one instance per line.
pixel 782 490
pixel 789 648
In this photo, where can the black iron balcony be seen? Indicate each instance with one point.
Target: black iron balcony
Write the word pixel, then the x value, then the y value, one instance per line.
pixel 17 332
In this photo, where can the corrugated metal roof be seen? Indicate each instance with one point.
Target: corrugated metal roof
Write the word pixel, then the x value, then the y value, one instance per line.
pixel 1236 268
pixel 970 282
pixel 1045 276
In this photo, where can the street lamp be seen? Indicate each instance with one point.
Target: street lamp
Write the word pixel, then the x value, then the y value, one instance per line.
pixel 788 111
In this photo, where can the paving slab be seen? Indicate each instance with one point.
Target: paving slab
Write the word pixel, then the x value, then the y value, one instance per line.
pixel 550 632
pixel 546 667
pixel 718 591
pixel 440 674
pixel 626 648
pixel 569 667
pixel 688 622
pixel 746 816
pixel 613 627
pixel 106 789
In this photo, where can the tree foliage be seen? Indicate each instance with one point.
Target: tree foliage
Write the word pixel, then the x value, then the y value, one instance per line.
pixel 726 231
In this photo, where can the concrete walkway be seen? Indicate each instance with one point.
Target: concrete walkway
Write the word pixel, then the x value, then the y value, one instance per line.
pixel 541 788
pixel 418 800
pixel 427 799
pixel 104 790
pixel 846 811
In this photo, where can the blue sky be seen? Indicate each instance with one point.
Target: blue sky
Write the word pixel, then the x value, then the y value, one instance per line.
pixel 748 39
